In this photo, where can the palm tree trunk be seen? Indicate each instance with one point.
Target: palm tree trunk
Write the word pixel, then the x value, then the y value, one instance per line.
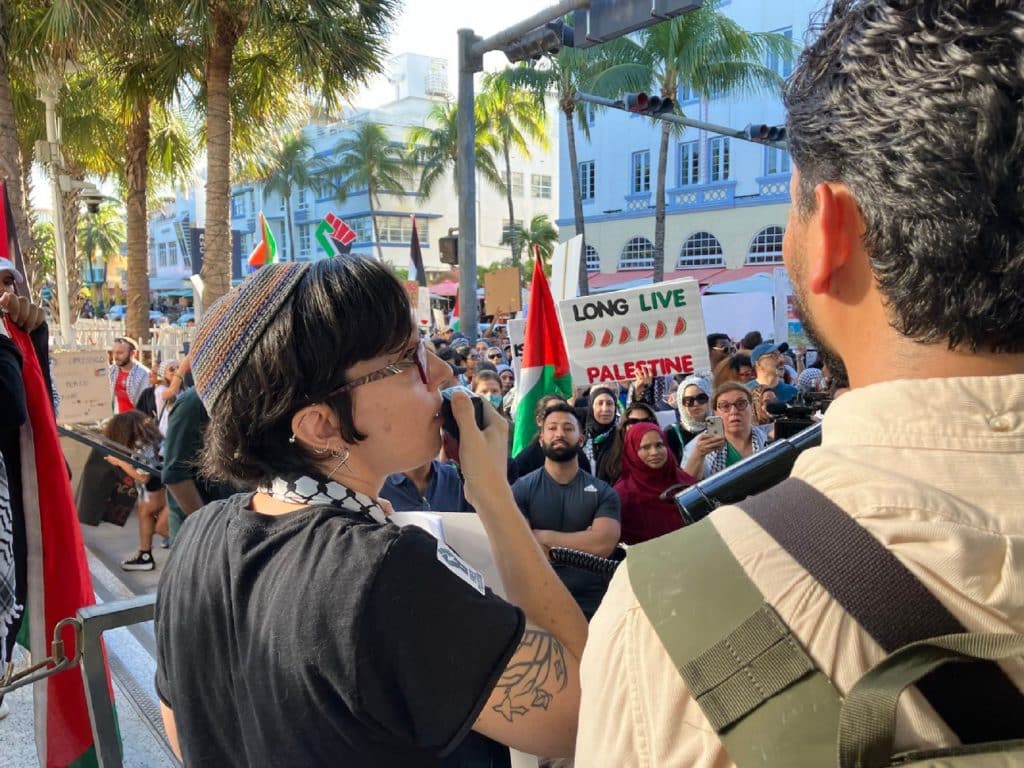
pixel 216 272
pixel 373 222
pixel 659 207
pixel 577 197
pixel 136 171
pixel 288 232
pixel 70 201
pixel 511 211
pixel 12 168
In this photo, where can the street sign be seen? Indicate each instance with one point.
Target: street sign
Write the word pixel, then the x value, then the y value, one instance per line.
pixel 609 19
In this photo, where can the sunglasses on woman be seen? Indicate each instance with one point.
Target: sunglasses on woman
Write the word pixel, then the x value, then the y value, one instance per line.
pixel 739 406
pixel 700 399
pixel 631 422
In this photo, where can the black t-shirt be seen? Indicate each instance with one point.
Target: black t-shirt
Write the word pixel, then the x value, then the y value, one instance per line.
pixel 321 637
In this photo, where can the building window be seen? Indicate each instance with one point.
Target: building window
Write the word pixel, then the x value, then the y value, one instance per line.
pixel 238 206
pixel 593 262
pixel 398 229
pixel 781 65
pixel 161 250
pixel 776 161
pixel 766 247
pixel 152 257
pixel 589 114
pixel 301 200
pixel 638 254
pixel 517 184
pixel 686 94
pixel 640 179
pixel 506 232
pixel 363 227
pixel 701 249
pixel 172 254
pixel 689 163
pixel 718 151
pixel 304 250
pixel 540 186
pixel 588 180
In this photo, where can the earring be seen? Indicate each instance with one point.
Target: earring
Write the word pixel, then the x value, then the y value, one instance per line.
pixel 343 460
pixel 323 451
pixel 291 439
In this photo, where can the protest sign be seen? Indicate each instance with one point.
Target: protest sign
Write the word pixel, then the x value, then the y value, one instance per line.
pixel 788 326
pixel 83 384
pixel 501 292
pixel 565 269
pixel 516 328
pixel 419 299
pixel 660 326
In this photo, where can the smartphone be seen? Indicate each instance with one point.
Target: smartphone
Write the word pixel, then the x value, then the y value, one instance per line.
pixel 449 425
pixel 715 426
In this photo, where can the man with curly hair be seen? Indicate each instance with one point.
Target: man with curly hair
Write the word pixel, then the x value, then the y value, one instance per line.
pixel 905 246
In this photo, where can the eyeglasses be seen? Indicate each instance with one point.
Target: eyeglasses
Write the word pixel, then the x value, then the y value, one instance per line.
pixel 700 399
pixel 415 357
pixel 727 349
pixel 494 356
pixel 739 406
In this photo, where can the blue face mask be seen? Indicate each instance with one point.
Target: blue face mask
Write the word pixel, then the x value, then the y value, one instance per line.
pixel 495 400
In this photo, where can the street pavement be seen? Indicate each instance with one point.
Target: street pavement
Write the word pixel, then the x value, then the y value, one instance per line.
pixel 131 652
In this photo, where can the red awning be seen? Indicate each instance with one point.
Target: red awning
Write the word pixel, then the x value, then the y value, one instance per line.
pixel 728 275
pixel 602 280
pixel 703 276
pixel 445 288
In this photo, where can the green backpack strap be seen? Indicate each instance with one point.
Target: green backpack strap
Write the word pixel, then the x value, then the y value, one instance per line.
pixel 867 724
pixel 760 690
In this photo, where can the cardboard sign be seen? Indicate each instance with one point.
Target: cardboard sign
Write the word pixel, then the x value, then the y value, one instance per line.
pixel 501 292
pixel 788 325
pixel 419 300
pixel 83 384
pixel 516 328
pixel 660 325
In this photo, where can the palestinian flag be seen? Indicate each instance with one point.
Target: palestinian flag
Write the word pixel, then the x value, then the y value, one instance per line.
pixel 545 367
pixel 265 251
pixel 416 270
pixel 58 574
pixel 453 321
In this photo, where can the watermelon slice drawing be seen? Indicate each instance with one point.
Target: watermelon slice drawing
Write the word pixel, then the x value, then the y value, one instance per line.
pixel 589 340
pixel 680 326
pixel 660 330
pixel 607 338
pixel 624 335
pixel 643 332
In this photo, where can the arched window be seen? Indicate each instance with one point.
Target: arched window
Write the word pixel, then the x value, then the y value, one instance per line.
pixel 638 254
pixel 593 262
pixel 701 249
pixel 766 247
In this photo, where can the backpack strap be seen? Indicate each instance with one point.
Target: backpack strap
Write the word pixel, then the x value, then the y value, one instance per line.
pixel 892 606
pixel 760 690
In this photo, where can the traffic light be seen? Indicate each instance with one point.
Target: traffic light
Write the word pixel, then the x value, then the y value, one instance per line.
pixel 449 248
pixel 550 38
pixel 642 104
pixel 764 133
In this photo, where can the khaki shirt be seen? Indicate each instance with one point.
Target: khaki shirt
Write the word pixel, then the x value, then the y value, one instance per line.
pixel 932 468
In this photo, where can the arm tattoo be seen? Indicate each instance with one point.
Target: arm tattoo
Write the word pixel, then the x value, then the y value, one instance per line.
pixel 535 678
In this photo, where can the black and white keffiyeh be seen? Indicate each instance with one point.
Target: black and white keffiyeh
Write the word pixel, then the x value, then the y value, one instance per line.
pixel 9 608
pixel 311 490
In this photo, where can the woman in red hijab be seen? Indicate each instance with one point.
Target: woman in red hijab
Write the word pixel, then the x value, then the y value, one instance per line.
pixel 647 472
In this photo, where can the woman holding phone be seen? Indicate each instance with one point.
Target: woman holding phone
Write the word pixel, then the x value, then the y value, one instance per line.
pixel 296 625
pixel 730 436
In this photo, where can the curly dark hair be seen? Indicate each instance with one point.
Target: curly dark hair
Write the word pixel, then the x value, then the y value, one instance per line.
pixel 915 105
pixel 342 312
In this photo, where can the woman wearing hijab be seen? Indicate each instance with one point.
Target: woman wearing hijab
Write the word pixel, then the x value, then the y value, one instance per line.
pixel 599 423
pixel 692 401
pixel 610 466
pixel 648 471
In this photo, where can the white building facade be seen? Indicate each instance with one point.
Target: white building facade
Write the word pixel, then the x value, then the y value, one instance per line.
pixel 420 83
pixel 726 199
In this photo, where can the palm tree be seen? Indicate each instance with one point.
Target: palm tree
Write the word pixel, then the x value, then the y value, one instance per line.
pixel 330 47
pixel 565 74
pixel 368 160
pixel 541 233
pixel 435 149
pixel 100 236
pixel 515 116
pixel 704 51
pixel 290 167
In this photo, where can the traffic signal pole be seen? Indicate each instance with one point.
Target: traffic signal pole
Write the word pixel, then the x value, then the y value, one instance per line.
pixel 471 53
pixel 680 120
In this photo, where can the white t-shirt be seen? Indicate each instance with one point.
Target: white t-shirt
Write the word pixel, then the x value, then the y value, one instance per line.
pixel 163 407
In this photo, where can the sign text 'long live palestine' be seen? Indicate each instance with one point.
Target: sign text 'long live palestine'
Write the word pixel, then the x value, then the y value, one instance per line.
pixel 661 326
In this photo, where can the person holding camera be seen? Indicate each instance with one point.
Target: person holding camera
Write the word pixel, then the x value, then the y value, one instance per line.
pixel 731 435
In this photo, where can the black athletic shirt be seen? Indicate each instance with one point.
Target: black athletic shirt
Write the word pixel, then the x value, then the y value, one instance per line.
pixel 321 637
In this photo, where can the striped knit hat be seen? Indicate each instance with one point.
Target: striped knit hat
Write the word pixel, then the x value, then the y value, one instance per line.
pixel 230 329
